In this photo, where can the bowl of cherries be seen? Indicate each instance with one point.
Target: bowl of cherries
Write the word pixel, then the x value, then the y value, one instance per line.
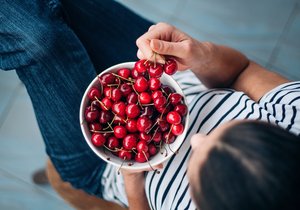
pixel 134 115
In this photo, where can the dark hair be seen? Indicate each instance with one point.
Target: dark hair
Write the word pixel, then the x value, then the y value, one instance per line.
pixel 254 166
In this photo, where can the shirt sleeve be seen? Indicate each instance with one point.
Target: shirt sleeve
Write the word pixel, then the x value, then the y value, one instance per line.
pixel 283 104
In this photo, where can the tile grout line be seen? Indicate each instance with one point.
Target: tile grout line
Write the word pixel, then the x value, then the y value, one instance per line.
pixel 11 100
pixel 275 51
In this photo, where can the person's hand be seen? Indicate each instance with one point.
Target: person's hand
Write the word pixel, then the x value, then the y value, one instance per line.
pixel 214 65
pixel 165 39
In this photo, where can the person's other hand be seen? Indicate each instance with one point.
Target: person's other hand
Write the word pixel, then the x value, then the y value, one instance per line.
pixel 165 39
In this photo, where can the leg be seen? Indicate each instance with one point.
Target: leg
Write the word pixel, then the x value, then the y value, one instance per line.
pixel 55 68
pixel 77 198
pixel 107 29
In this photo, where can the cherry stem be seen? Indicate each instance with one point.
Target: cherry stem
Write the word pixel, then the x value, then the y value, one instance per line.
pixel 147 104
pixel 138 95
pixel 167 140
pixel 152 127
pixel 130 80
pixel 116 150
pixel 164 110
pixel 101 131
pixel 121 165
pixel 148 161
pixel 153 134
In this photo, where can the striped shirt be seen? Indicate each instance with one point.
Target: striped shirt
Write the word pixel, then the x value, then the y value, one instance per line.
pixel 208 109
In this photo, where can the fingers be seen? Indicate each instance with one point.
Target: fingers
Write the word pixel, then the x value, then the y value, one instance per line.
pixel 166 48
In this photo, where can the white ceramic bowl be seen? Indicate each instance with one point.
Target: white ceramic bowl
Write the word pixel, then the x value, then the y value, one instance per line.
pixel 112 159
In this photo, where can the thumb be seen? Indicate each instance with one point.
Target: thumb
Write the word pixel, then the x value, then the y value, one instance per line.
pixel 164 47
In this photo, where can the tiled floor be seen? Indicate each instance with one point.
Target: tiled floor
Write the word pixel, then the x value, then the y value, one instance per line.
pixel 266 30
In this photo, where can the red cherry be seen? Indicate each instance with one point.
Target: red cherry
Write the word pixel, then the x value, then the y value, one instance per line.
pixel 125 155
pixel 91 116
pixel 132 110
pixel 170 67
pixel 145 98
pixel 95 126
pixel 129 142
pixel 173 118
pixel 106 135
pixel 98 139
pixel 119 120
pixel 144 137
pixel 147 111
pixel 107 92
pixel 141 84
pixel 157 94
pixel 157 136
pixel 181 109
pixel 156 71
pixel 116 94
pixel 131 125
pixel 142 146
pixel 164 126
pixel 106 104
pixel 125 89
pixel 119 108
pixel 154 83
pixel 168 138
pixel 135 74
pixel 94 93
pixel 112 142
pixel 160 101
pixel 141 157
pixel 177 129
pixel 140 66
pixel 132 98
pixel 105 117
pixel 144 124
pixel 120 131
pixel 152 149
pixel 167 89
pixel 175 98
pixel 107 78
pixel 124 73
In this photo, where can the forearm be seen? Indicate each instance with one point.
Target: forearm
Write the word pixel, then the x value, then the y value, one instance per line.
pixel 135 191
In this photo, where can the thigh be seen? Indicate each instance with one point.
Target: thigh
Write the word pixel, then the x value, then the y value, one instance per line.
pixel 55 68
pixel 107 29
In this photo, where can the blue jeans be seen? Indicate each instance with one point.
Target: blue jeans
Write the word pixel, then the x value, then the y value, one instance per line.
pixel 56 49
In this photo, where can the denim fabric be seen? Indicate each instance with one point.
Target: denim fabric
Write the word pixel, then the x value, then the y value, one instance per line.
pixel 56 49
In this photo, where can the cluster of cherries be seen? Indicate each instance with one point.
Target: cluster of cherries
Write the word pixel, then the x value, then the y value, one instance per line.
pixel 132 114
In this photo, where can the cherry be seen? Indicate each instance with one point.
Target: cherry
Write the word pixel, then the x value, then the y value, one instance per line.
pixel 160 101
pixel 168 137
pixel 173 118
pixel 143 124
pixel 156 94
pixel 164 126
pixel 129 142
pixel 107 92
pixel 152 149
pixel 107 78
pixel 157 136
pixel 106 104
pixel 142 146
pixel 142 157
pixel 154 83
pixel 167 89
pixel 94 93
pixel 98 139
pixel 125 89
pixel 124 73
pixel 132 98
pixel 145 98
pixel 175 98
pixel 119 108
pixel 144 137
pixel 177 129
pixel 170 67
pixel 120 131
pixel 147 111
pixel 91 116
pixel 135 74
pixel 112 143
pixel 131 125
pixel 125 155
pixel 106 135
pixel 119 120
pixel 155 71
pixel 105 117
pixel 116 94
pixel 132 110
pixel 95 126
pixel 181 109
pixel 140 66
pixel 141 84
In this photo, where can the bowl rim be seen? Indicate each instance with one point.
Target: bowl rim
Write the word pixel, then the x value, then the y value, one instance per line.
pixel 135 166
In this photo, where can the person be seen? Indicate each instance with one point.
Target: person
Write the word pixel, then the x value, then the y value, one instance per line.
pixel 245 153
